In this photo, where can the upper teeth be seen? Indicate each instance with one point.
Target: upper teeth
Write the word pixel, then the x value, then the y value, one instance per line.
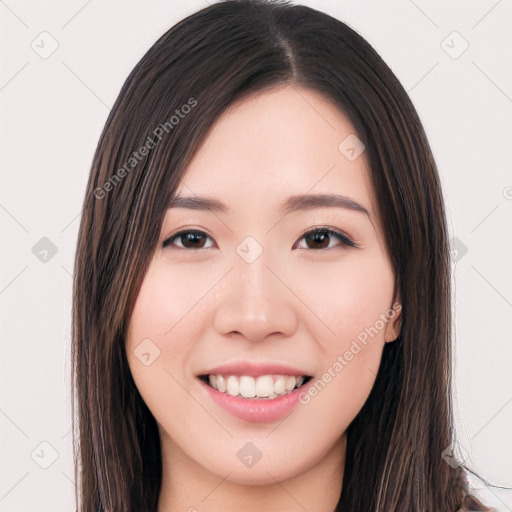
pixel 265 386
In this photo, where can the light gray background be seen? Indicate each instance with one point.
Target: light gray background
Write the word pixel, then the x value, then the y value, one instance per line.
pixel 52 112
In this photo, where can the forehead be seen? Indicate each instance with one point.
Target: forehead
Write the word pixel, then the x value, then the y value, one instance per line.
pixel 275 144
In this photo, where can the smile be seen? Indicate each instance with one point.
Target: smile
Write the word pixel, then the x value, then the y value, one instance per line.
pixel 265 395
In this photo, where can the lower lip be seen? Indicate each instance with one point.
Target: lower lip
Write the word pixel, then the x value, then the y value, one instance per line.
pixel 253 409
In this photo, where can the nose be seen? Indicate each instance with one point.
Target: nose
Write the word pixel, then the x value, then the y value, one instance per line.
pixel 254 303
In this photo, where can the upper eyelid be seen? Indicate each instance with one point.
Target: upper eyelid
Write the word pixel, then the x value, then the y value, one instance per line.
pixel 328 220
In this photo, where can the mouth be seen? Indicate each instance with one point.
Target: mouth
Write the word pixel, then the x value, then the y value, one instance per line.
pixel 262 387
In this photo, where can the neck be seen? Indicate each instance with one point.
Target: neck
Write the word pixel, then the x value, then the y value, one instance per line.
pixel 189 486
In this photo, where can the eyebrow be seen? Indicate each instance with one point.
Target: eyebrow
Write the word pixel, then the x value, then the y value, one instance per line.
pixel 292 204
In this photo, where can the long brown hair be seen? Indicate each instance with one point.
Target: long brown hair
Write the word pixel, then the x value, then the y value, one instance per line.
pixel 168 105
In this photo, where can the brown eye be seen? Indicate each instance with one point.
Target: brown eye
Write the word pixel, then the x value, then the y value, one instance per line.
pixel 322 238
pixel 187 240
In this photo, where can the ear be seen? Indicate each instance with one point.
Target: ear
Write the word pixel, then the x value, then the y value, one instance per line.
pixel 394 322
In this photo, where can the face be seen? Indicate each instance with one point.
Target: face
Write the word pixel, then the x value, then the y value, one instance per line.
pixel 259 327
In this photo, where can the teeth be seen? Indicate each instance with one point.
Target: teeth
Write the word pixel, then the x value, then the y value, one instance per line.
pixel 221 383
pixel 290 382
pixel 279 385
pixel 233 387
pixel 264 386
pixel 247 387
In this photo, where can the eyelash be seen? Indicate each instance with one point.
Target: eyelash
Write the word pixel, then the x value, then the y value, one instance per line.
pixel 344 239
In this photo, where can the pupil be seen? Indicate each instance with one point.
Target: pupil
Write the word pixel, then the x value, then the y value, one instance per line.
pixel 319 237
pixel 193 239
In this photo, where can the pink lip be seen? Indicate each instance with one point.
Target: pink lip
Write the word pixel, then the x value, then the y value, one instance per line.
pixel 253 409
pixel 253 369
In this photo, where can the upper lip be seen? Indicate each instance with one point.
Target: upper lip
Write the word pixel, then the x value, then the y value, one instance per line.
pixel 254 369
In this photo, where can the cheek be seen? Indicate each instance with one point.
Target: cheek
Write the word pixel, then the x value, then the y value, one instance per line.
pixel 157 334
pixel 338 392
pixel 348 295
pixel 168 308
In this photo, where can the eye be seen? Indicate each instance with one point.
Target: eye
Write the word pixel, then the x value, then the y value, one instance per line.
pixel 320 238
pixel 190 239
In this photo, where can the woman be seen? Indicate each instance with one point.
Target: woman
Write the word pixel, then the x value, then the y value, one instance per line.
pixel 262 297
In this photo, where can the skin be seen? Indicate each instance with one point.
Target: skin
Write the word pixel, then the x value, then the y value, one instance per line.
pixel 298 303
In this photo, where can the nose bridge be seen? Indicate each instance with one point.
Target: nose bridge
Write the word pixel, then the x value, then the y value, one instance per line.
pixel 252 265
pixel 255 302
pixel 254 280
